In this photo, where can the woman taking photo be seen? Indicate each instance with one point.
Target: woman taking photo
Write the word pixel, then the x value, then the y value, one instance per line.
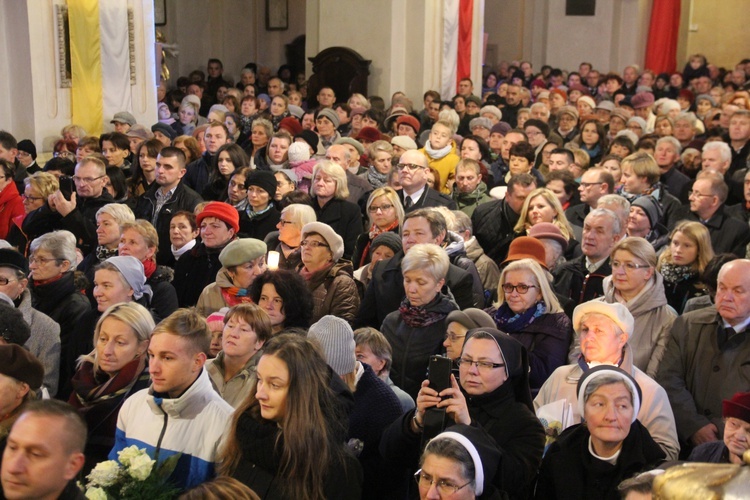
pixel 114 370
pixel 287 239
pixel 284 295
pixel 589 460
pixel 386 213
pixel 246 328
pixel 542 205
pixel 528 310
pixel 140 240
pixel 286 438
pixel 241 262
pixel 227 160
pixel 683 262
pixel 330 192
pixel 328 276
pixel 417 329
pixel 490 393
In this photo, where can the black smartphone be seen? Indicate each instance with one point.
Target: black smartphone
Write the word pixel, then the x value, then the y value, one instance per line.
pixel 439 373
pixel 67 186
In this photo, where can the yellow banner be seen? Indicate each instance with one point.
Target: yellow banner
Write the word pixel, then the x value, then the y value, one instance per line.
pixel 86 65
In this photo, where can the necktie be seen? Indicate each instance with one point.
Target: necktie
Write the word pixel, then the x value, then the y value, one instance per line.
pixel 408 202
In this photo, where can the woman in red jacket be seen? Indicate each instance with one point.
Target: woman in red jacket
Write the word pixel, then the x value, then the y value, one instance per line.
pixel 11 204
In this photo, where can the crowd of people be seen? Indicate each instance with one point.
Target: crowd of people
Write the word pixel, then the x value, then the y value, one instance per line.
pixel 263 283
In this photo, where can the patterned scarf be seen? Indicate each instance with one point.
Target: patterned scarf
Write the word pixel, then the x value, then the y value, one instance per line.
pixel 673 273
pixel 103 253
pixel 92 388
pixel 233 295
pixel 375 178
pixel 510 322
pixel 374 231
pixel 418 317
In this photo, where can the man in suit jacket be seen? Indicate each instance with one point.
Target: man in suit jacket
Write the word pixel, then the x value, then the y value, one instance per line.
pixel 415 193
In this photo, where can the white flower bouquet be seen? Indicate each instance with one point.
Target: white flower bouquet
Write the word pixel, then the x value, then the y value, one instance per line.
pixel 132 476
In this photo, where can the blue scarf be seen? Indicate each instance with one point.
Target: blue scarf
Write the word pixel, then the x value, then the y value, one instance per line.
pixel 510 322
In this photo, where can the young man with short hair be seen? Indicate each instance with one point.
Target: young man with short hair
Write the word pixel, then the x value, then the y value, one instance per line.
pixel 180 412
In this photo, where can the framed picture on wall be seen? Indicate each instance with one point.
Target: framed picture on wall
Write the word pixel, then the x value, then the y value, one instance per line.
pixel 277 15
pixel 160 12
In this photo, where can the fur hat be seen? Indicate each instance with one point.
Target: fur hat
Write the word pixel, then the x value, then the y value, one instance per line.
pixel 164 129
pixel 335 242
pixel 222 211
pixel 241 251
pixel 298 151
pixel 609 371
pixel 28 147
pixel 526 247
pixel 404 142
pixel 409 120
pixel 336 338
pixel 547 230
pixel 17 362
pixel 614 311
pixel 370 134
pixel 331 115
pixel 606 106
pixel 389 239
pixel 493 110
pixel 123 117
pixel 352 142
pixel 480 121
pixel 264 179
pixel 291 125
pixel 737 407
pixel 568 110
pixel 640 121
pixel 140 132
pixel 642 100
pixel 587 100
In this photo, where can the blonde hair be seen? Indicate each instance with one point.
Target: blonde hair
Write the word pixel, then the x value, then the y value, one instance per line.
pixel 560 220
pixel 643 165
pixel 120 212
pixel 43 182
pixel 699 235
pixel 392 197
pixel 300 214
pixel 541 278
pixel 337 173
pixel 426 257
pixel 146 230
pixel 640 248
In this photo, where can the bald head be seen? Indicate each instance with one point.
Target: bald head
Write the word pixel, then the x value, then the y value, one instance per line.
pixel 733 291
pixel 414 156
pixel 338 154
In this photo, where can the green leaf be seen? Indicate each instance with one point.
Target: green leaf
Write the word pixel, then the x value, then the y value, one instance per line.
pixel 168 466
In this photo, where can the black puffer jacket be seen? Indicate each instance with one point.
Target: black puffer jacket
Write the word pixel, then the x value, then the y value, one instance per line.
pixel 195 269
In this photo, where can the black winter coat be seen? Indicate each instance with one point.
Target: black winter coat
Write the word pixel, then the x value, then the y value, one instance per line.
pixel 413 346
pixel 514 427
pixel 728 234
pixel 164 300
pixel 82 221
pixel 570 471
pixel 259 227
pixel 344 218
pixel 573 280
pixel 194 271
pixel 493 224
pixel 183 198
pixel 196 177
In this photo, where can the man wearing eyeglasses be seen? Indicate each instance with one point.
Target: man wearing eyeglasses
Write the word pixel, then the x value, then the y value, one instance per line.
pixel 415 193
pixel 79 213
pixel 595 183
pixel 603 331
pixel 728 234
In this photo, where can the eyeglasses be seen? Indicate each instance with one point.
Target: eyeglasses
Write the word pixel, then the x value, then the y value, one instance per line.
pixel 314 244
pixel 4 281
pixel 285 222
pixel 696 193
pixel 522 288
pixel 41 260
pixel 383 208
pixel 628 266
pixel 453 337
pixel 64 154
pixel 481 365
pixel 86 180
pixel 443 486
pixel 589 184
pixel 31 198
pixel 411 167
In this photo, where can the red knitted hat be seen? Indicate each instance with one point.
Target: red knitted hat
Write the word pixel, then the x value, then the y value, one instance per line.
pixel 291 125
pixel 409 120
pixel 222 211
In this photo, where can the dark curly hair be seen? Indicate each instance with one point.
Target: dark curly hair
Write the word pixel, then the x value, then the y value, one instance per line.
pixel 291 287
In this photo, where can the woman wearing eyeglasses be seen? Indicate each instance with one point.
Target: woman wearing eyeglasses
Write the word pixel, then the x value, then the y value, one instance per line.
pixel 328 276
pixel 386 214
pixel 636 284
pixel 528 310
pixel 55 293
pixel 493 395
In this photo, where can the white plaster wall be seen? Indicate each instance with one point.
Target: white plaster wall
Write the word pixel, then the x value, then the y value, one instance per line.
pixel 16 104
pixel 231 30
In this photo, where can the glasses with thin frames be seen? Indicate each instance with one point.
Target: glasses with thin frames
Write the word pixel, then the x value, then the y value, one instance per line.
pixel 481 365
pixel 314 244
pixel 411 167
pixel 444 487
pixel 86 180
pixel 628 266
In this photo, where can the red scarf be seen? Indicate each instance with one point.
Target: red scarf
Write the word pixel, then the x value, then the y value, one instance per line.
pixel 149 267
pixel 233 296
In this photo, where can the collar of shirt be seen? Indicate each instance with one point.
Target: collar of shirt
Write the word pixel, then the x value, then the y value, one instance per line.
pixel 165 196
pixel 593 266
pixel 415 196
pixel 740 327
